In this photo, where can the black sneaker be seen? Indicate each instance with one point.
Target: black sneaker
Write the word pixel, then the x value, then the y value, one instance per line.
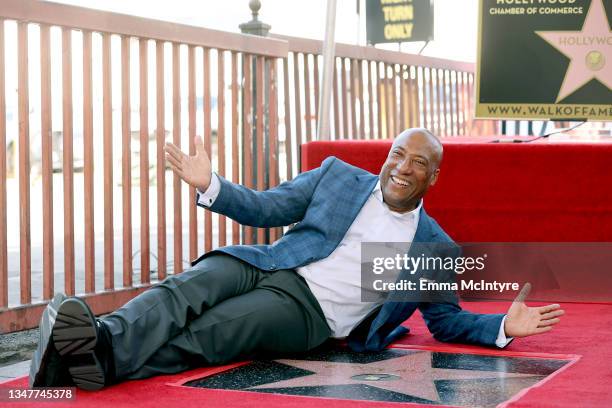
pixel 47 368
pixel 75 335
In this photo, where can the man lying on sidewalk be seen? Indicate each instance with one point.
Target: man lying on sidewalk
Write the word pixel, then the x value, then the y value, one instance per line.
pixel 291 296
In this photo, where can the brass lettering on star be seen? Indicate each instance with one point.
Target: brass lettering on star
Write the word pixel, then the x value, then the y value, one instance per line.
pixel 585 41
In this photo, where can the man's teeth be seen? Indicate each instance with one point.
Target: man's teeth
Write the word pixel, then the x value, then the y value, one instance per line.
pixel 399 181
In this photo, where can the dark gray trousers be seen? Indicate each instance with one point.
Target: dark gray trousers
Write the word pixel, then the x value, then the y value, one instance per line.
pixel 220 310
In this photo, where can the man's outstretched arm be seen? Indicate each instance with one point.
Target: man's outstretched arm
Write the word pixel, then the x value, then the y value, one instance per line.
pixel 447 322
pixel 279 206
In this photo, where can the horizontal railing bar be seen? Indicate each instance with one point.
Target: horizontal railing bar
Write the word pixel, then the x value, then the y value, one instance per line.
pixel 309 46
pixel 81 18
pixel 28 316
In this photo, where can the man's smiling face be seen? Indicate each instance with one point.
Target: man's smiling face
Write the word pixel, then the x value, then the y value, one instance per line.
pixel 410 169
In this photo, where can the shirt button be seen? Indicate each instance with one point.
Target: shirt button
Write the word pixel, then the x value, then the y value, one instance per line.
pixel 272 267
pixel 210 201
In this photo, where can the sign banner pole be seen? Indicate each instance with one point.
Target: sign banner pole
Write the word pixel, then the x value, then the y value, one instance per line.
pixel 328 67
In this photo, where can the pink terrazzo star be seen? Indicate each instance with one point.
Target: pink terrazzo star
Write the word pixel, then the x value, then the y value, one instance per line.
pixel 415 372
pixel 589 50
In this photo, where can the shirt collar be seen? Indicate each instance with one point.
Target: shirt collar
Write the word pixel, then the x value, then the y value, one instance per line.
pixel 410 215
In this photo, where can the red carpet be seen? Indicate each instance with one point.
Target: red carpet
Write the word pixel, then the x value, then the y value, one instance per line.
pixel 585 330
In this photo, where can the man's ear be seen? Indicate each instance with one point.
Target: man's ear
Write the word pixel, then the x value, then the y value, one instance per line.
pixel 434 177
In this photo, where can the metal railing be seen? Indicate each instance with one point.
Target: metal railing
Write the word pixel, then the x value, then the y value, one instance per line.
pixel 376 93
pixel 132 82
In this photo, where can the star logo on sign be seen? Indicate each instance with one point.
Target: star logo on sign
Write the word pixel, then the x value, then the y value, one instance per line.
pixel 411 374
pixel 588 50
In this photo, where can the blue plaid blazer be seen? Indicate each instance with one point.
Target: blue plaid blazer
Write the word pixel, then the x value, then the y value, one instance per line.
pixel 322 203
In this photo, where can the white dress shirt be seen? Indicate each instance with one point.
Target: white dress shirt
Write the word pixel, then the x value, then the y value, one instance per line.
pixel 339 293
pixel 336 280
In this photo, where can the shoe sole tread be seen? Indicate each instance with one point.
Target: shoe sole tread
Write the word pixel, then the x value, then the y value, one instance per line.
pixel 75 338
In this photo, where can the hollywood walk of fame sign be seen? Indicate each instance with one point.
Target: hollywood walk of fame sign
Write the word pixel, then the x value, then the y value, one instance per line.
pixel 397 375
pixel 545 59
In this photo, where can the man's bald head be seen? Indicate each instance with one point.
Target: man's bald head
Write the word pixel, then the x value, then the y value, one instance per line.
pixel 426 136
pixel 412 166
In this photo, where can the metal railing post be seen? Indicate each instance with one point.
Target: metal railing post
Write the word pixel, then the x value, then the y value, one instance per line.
pixel 259 28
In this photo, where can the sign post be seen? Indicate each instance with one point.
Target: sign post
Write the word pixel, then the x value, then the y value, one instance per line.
pixel 329 60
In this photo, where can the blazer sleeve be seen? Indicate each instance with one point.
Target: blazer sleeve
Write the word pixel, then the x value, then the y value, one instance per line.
pixel 449 323
pixel 282 205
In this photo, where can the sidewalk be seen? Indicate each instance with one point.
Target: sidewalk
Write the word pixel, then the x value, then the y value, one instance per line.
pixel 16 350
pixel 13 371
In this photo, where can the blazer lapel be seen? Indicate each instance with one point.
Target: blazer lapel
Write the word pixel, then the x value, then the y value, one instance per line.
pixel 365 185
pixel 424 232
pixel 359 189
pixel 424 239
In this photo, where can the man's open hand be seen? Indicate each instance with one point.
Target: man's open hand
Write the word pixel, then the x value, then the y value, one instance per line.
pixel 522 320
pixel 194 170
